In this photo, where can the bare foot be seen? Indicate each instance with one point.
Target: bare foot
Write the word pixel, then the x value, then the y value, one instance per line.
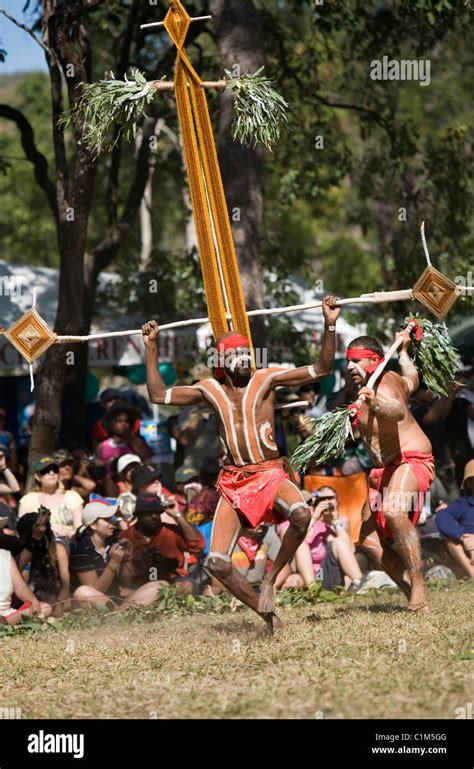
pixel 420 608
pixel 274 623
pixel 419 597
pixel 266 600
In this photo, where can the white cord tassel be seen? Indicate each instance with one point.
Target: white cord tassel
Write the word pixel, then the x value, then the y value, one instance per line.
pixel 32 378
pixel 425 246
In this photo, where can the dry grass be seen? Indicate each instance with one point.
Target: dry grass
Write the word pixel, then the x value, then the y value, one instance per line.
pixel 364 658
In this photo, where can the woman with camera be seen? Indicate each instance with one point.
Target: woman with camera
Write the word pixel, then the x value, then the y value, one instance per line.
pixel 327 553
pixel 96 562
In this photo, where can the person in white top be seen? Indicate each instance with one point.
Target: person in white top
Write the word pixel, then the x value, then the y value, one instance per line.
pixel 65 506
pixel 11 582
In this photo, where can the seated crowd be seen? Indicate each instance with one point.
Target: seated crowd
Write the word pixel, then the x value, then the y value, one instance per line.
pixel 111 530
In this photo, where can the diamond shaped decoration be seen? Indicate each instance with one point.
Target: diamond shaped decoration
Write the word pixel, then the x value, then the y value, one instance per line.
pixel 436 292
pixel 30 335
pixel 177 22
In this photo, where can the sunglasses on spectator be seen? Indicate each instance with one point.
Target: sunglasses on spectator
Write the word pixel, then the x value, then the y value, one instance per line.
pixel 50 469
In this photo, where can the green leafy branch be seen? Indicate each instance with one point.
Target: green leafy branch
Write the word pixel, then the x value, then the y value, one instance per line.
pixel 260 112
pixel 435 357
pixel 109 103
pixel 327 441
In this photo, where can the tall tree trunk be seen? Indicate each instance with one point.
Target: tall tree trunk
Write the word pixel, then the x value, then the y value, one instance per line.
pixel 74 189
pixel 240 43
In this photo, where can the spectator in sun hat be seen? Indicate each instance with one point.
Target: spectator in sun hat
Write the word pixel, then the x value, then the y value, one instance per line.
pixel 70 477
pixel 123 469
pixel 96 562
pixel 108 398
pixel 65 505
pixel 456 523
pixel 121 440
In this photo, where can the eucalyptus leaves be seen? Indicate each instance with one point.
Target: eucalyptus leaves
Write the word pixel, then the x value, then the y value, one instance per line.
pixel 111 109
pixel 327 441
pixel 259 111
pixel 111 103
pixel 435 357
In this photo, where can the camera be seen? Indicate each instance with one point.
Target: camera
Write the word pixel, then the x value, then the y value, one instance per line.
pixel 159 561
pixel 166 501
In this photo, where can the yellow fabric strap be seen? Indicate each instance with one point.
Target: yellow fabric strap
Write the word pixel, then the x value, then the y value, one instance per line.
pixel 206 188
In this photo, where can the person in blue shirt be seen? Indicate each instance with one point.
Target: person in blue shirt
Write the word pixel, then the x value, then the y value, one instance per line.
pixel 456 523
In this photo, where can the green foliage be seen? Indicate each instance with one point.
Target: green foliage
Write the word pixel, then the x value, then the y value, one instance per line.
pixel 168 603
pixel 314 594
pixel 330 213
pixel 111 103
pixel 27 230
pixel 327 441
pixel 30 625
pixel 259 111
pixel 435 357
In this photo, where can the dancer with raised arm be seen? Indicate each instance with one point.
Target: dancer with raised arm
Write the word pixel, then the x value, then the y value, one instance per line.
pixel 255 484
pixel 404 466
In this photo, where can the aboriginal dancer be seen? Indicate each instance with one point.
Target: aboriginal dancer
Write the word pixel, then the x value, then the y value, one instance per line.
pixel 255 485
pixel 404 467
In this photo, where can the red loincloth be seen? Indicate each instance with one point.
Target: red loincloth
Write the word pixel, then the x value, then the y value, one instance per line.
pixel 422 465
pixel 251 489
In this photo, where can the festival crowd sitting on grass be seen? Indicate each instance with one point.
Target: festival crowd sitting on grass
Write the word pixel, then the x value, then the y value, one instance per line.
pixel 103 525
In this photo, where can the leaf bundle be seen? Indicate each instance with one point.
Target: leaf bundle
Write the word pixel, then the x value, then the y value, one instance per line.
pixel 327 441
pixel 435 357
pixel 259 110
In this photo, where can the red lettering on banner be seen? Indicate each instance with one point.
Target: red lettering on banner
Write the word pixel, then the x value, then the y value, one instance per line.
pixel 102 349
pixel 135 346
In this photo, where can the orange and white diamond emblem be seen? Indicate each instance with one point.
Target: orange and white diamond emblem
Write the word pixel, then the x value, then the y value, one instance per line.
pixel 436 292
pixel 30 335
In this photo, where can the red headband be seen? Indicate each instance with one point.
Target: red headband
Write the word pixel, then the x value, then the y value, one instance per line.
pixel 361 353
pixel 235 340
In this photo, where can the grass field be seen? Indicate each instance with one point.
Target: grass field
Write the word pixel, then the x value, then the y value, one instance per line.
pixel 352 658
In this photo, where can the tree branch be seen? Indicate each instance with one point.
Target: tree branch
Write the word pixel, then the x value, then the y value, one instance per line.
pixel 36 158
pixel 357 108
pixel 62 169
pixel 26 29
